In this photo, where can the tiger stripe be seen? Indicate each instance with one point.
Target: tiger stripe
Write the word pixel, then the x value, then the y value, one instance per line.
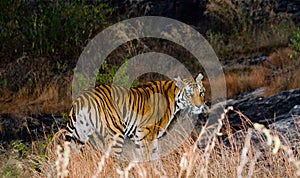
pixel 141 114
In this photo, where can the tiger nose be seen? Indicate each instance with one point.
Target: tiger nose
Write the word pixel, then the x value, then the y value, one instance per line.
pixel 198 105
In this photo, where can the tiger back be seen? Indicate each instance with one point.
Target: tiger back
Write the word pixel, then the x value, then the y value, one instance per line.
pixel 106 116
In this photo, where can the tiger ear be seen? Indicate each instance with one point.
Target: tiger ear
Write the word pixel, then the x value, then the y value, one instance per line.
pixel 179 82
pixel 199 78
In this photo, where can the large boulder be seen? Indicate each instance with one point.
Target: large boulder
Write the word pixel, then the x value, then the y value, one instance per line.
pixel 265 110
pixel 279 113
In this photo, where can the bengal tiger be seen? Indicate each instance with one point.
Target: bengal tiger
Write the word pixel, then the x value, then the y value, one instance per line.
pixel 141 114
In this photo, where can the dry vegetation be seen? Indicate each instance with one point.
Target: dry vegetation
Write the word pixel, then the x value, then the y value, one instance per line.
pixel 45 88
pixel 239 157
pixel 278 73
pixel 248 27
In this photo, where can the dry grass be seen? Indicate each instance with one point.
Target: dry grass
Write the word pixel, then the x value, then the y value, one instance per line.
pixel 51 98
pixel 285 66
pixel 34 86
pixel 280 72
pixel 239 83
pixel 240 157
pixel 48 102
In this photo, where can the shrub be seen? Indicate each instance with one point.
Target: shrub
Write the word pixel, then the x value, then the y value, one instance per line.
pixel 295 41
pixel 247 27
pixel 108 75
pixel 241 15
pixel 47 28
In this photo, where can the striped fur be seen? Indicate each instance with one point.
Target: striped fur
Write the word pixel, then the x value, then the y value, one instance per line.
pixel 141 114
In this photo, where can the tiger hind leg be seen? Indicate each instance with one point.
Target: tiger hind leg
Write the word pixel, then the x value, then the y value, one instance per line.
pixel 146 151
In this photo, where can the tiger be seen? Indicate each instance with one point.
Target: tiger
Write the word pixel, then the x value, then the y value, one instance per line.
pixel 141 114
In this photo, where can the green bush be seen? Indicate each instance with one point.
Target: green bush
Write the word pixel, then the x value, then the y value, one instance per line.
pixel 295 41
pixel 47 28
pixel 108 75
pixel 19 146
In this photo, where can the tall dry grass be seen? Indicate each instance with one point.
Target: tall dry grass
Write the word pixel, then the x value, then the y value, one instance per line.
pixel 238 83
pixel 51 98
pixel 280 72
pixel 251 152
pixel 285 65
pixel 238 156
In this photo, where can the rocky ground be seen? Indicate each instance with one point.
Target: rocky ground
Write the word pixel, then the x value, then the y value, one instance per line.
pixel 282 106
pixel 280 113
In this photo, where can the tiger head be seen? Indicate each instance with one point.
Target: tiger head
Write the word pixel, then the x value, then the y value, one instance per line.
pixel 191 95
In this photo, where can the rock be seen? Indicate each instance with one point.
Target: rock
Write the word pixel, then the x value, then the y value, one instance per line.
pixel 265 110
pixel 254 60
pixel 286 129
pixel 288 6
pixel 279 113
